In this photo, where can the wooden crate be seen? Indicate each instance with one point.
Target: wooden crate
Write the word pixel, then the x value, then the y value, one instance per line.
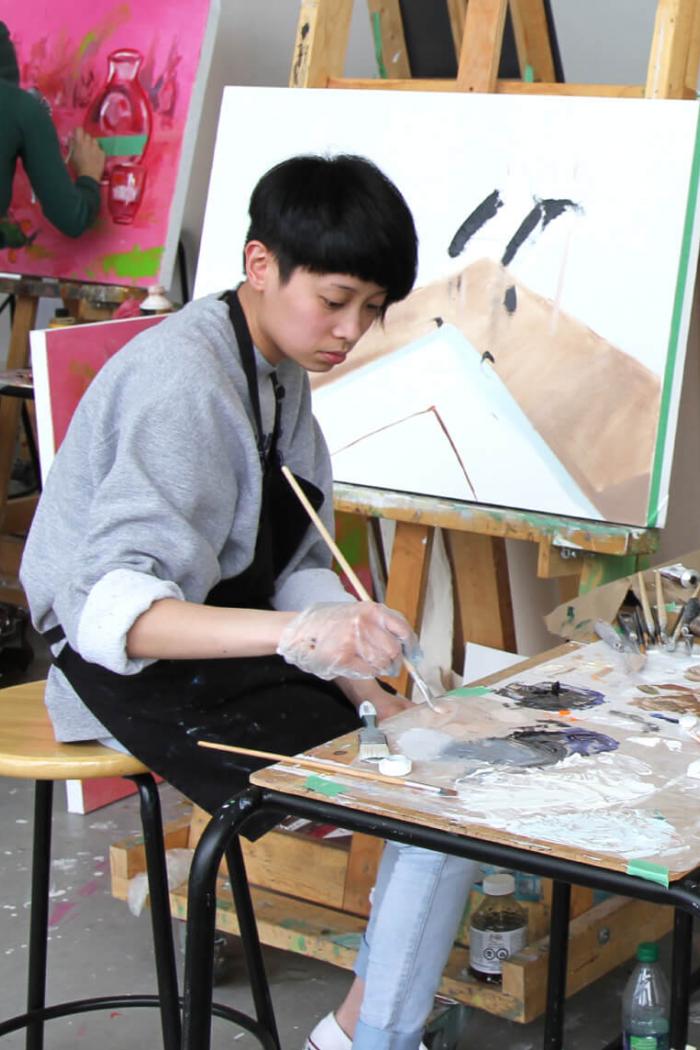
pixel 311 896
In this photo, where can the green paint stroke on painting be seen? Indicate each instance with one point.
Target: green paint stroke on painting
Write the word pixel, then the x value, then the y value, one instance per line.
pixel 135 263
pixel 676 320
pixel 89 39
pixel 122 145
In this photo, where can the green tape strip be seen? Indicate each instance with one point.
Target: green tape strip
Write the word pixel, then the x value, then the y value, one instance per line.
pixel 529 74
pixel 470 690
pixel 651 872
pixel 323 786
pixel 378 50
pixel 123 145
pixel 683 266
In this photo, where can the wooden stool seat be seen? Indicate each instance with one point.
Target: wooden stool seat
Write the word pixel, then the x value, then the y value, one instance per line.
pixel 29 750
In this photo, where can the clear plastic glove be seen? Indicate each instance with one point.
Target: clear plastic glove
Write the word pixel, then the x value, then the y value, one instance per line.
pixel 357 640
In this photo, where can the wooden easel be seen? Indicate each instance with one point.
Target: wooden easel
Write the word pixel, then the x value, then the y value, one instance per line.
pixel 579 554
pixel 86 303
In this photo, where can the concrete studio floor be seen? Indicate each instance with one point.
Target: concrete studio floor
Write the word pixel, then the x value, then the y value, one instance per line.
pixel 97 947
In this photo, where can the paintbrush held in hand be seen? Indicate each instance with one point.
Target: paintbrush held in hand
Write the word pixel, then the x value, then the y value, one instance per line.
pixel 360 591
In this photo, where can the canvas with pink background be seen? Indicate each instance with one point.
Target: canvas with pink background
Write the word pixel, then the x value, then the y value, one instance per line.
pixel 131 75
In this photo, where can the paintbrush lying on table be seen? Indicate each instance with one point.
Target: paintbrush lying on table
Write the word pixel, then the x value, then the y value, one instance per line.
pixel 352 576
pixel 320 765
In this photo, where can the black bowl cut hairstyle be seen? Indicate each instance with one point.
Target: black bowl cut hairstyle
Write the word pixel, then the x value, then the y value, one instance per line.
pixel 336 214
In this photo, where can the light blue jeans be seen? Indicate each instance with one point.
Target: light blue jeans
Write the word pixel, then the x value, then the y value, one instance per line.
pixel 417 904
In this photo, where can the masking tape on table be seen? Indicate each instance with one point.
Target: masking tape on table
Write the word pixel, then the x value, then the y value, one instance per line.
pixel 643 869
pixel 324 787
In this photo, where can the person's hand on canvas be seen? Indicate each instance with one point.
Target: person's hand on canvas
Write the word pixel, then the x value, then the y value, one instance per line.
pixel 86 156
pixel 349 639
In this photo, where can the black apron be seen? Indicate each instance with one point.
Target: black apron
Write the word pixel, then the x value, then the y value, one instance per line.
pixel 260 702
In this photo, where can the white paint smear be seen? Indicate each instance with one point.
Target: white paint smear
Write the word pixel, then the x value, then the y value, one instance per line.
pixel 423 745
pixel 629 834
pixel 579 784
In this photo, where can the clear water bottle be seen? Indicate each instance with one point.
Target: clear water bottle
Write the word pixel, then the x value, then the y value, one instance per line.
pixel 645 1004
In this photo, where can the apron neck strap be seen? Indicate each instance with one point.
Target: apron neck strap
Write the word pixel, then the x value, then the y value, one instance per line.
pixel 247 354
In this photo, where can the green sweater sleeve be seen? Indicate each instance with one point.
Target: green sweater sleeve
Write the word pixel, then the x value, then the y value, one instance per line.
pixel 70 206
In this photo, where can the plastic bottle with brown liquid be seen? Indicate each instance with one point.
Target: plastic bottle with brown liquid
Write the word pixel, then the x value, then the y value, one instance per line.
pixel 498 929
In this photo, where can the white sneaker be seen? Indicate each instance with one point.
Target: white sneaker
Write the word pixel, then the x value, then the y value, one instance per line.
pixel 328 1035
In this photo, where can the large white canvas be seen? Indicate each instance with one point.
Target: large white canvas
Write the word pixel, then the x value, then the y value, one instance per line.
pixel 550 383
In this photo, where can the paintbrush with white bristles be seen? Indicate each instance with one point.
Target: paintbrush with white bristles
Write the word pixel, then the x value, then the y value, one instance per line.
pixel 372 742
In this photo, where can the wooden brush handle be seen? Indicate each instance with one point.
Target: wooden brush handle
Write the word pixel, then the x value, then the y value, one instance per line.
pixel 315 765
pixel 326 536
pixel 347 569
pixel 646 608
pixel 661 614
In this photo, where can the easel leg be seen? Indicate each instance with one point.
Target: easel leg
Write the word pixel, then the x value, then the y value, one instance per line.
pixel 481 45
pixel 691 73
pixel 408 578
pixel 532 41
pixel 389 40
pixel 483 605
pixel 670 49
pixel 323 31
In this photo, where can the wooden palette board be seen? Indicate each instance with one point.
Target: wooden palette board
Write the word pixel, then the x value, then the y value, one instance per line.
pixel 583 809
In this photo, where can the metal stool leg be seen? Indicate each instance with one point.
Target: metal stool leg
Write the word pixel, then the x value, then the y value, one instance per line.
pixel 201 917
pixel 161 919
pixel 680 976
pixel 249 936
pixel 39 919
pixel 556 975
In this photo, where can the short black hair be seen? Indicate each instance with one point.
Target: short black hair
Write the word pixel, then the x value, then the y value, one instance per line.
pixel 336 214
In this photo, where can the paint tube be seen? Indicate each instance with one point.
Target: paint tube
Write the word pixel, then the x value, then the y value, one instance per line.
pixel 680 574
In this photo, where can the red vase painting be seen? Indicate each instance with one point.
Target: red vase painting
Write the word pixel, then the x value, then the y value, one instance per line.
pixel 132 75
pixel 120 116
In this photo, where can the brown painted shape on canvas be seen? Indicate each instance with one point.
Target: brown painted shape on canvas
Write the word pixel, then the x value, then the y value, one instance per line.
pixel 595 406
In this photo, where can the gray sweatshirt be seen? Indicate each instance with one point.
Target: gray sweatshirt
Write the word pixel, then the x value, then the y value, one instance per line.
pixel 155 492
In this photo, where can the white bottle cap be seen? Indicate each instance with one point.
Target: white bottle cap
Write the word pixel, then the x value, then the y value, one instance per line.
pixel 395 766
pixel 499 885
pixel 156 301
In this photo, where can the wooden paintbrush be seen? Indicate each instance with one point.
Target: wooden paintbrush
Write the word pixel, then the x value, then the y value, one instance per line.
pixel 649 625
pixel 319 765
pixel 661 614
pixel 352 576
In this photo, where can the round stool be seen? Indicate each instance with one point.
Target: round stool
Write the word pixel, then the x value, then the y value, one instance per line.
pixel 29 751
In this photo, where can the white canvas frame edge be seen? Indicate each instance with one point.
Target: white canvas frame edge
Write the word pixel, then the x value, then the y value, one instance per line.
pixel 189 138
pixel 657 508
pixel 42 400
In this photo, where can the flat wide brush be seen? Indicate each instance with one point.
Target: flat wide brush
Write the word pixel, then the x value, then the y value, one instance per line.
pixel 372 742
